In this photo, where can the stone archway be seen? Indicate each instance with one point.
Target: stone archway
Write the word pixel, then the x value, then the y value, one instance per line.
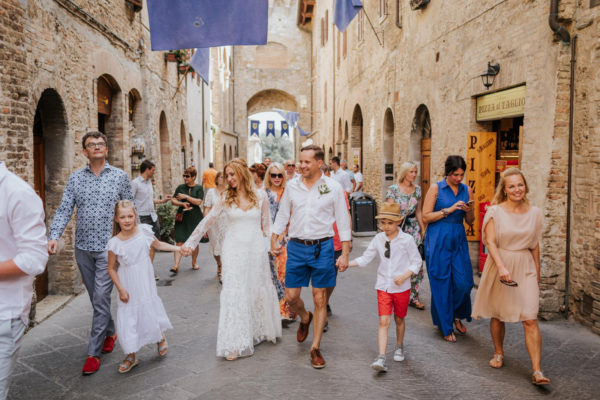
pixel 388 151
pixel 266 101
pixel 111 118
pixel 52 149
pixel 420 146
pixel 356 143
pixel 165 153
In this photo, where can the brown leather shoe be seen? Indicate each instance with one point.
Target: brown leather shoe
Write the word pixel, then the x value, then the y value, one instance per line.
pixel 316 359
pixel 303 329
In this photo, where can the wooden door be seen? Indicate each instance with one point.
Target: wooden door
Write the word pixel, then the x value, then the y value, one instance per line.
pixel 41 281
pixel 425 165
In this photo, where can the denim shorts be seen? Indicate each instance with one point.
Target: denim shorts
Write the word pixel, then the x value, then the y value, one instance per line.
pixel 302 267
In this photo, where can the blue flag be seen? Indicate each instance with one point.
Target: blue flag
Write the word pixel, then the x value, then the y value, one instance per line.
pixel 302 131
pixel 201 63
pixel 344 12
pixel 285 128
pixel 292 119
pixel 254 127
pixel 270 128
pixel 188 24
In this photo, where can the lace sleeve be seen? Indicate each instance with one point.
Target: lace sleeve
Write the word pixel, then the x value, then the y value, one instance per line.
pixel 205 224
pixel 265 215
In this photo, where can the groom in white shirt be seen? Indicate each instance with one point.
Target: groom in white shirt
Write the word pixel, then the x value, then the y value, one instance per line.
pixel 311 205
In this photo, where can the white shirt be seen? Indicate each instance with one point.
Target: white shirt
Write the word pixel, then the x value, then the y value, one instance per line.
pixel 343 179
pixel 404 256
pixel 143 197
pixel 312 212
pixel 358 177
pixel 23 240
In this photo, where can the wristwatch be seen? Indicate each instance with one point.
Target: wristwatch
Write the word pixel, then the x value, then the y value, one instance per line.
pixel 444 212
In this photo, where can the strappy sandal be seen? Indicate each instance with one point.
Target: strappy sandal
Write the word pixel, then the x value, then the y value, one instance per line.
pixel 498 359
pixel 539 379
pixel 418 305
pixel 163 347
pixel 174 270
pixel 195 267
pixel 232 356
pixel 128 363
pixel 450 338
pixel 462 331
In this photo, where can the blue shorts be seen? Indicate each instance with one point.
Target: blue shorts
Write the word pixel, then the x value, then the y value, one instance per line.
pixel 301 265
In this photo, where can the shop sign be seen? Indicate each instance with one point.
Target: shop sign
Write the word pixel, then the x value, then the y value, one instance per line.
pixel 504 104
pixel 481 168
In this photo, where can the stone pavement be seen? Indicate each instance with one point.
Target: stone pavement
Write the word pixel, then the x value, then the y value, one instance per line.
pixel 53 353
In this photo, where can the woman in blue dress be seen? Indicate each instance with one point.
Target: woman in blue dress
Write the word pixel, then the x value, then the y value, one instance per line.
pixel 447 204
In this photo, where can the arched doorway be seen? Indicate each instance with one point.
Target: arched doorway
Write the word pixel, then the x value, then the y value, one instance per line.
pixel 388 151
pixel 165 153
pixel 356 156
pixel 51 163
pixel 111 118
pixel 420 146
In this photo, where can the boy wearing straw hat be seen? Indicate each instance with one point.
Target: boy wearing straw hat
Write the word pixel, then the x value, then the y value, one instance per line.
pixel 399 259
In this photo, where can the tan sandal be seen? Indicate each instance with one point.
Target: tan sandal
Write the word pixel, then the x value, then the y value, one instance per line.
pixel 128 363
pixel 539 379
pixel 163 347
pixel 497 361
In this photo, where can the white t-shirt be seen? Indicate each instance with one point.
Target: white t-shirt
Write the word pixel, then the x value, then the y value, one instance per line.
pixel 358 177
pixel 343 179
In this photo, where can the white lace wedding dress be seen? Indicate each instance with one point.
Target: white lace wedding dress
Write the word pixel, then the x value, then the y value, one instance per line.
pixel 249 312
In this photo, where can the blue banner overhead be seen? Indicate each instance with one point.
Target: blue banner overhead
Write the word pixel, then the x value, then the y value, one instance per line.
pixel 285 128
pixel 201 63
pixel 270 128
pixel 254 127
pixel 188 24
pixel 345 11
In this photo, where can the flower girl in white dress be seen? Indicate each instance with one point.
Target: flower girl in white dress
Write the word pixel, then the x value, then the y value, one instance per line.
pixel 249 312
pixel 141 317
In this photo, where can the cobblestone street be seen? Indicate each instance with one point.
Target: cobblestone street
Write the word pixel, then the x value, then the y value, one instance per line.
pixel 53 353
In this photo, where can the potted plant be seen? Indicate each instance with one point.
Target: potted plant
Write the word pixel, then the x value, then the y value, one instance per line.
pixel 183 67
pixel 166 219
pixel 175 56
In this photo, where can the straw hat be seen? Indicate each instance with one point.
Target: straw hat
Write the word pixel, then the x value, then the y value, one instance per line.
pixel 391 211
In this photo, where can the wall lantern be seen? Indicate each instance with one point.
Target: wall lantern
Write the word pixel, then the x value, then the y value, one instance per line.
pixel 490 74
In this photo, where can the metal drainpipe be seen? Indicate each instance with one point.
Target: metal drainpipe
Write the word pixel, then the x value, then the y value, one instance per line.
pixel 564 35
pixel 398 9
pixel 237 137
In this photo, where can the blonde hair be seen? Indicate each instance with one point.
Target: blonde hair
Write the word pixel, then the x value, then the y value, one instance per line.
pixel 120 205
pixel 240 169
pixel 500 195
pixel 268 182
pixel 404 169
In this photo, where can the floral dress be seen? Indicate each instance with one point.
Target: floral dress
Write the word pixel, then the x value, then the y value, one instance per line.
pixel 279 262
pixel 408 205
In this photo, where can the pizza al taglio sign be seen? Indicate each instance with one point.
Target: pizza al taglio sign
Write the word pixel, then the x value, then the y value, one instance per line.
pixel 507 103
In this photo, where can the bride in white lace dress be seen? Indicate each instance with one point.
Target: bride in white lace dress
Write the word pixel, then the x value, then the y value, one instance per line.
pixel 249 311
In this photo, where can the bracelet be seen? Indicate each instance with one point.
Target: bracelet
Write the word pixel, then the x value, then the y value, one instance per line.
pixel 444 212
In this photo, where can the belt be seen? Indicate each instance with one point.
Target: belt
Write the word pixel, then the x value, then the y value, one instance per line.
pixel 310 242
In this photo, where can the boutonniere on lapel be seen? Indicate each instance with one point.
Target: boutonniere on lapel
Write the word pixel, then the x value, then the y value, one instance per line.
pixel 323 189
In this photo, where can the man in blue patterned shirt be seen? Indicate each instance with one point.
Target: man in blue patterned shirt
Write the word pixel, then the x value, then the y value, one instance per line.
pixel 95 190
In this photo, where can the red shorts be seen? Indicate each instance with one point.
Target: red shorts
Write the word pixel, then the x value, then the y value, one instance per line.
pixel 396 301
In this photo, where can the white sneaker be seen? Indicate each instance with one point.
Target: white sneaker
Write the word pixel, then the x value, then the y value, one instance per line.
pixel 399 354
pixel 379 364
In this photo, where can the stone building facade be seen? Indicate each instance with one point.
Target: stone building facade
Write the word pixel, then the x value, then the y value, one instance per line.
pixel 253 79
pixel 71 66
pixel 408 88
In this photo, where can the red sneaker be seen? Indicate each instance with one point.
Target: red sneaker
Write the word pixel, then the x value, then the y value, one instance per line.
pixel 92 364
pixel 109 343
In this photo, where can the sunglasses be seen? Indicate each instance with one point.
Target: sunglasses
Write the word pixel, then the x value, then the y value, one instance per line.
pixel 387 249
pixel 186 176
pixel 276 176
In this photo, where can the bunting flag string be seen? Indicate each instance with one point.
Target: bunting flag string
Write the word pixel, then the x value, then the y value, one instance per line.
pixel 254 125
